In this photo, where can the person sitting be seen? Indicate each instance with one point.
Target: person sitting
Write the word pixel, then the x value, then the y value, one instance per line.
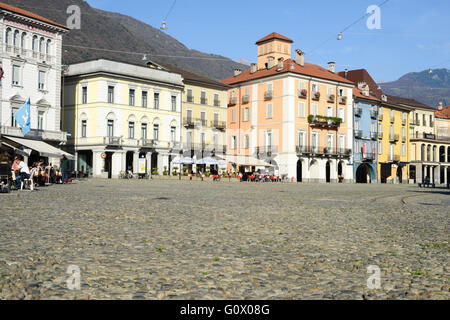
pixel 23 171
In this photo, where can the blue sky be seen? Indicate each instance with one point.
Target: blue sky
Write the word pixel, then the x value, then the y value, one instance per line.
pixel 414 34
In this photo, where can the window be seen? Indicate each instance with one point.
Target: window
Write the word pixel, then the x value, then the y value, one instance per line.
pixel 216 100
pixel 247 114
pixel 83 128
pixel 380 111
pixel 13 120
pixel 424 122
pixel 22 41
pixel 246 141
pixel 233 116
pixel 15 75
pixel 144 99
pixel 110 129
pixel 391 151
pixel 315 141
pixel 270 88
pixel 301 109
pixel 301 85
pixel 380 147
pixel 8 36
pixel 84 95
pixel 156 132
pixel 174 103
pixel 357 125
pixel 314 109
pixel 203 97
pixel 144 131
pixel 268 140
pixel 41 80
pixel 190 98
pixel 41 45
pixel 341 142
pixel 203 118
pixel 330 111
pixel 216 118
pixel 189 115
pixel 269 111
pixel 341 114
pixel 156 100
pixel 110 94
pixel 403 131
pixel 16 38
pixel 130 130
pixel 34 44
pixel 233 143
pixel 47 47
pixel 301 139
pixel 40 120
pixel 431 120
pixel 403 149
pixel 173 134
pixel 131 97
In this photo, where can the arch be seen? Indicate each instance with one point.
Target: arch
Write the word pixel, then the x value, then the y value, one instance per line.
pixel 314 170
pixel 16 38
pixel 328 172
pixel 441 154
pixel 174 123
pixel 299 170
pixel 83 116
pixel 400 174
pixel 422 153
pixel 364 173
pixel 131 117
pixel 8 36
pixel 111 116
pixel 434 153
pixel 43 103
pixel 34 43
pixel 429 152
pixel 41 45
pixel 48 46
pixel 144 119
pixel 156 121
pixel 23 39
pixel 340 168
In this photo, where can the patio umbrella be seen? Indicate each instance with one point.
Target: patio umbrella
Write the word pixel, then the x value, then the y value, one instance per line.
pixel 211 161
pixel 185 160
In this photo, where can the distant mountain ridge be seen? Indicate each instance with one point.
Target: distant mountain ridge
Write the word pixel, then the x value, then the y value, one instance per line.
pixel 425 87
pixel 118 32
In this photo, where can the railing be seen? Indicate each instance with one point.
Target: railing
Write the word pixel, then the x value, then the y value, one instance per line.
pixel 357 133
pixel 112 141
pixel 317 150
pixel 324 122
pixel 373 114
pixel 35 133
pixel 245 99
pixel 190 98
pixel 203 101
pixel 220 125
pixel 357 111
pixel 393 137
pixel 430 136
pixel 373 135
pixel 188 122
pixel 232 101
pixel 365 156
pixel 216 103
pixel 266 150
pixel 268 95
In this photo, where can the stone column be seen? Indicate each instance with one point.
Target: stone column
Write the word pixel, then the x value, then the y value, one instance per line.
pixel 445 175
pixel 136 162
pixel 148 157
pixel 118 163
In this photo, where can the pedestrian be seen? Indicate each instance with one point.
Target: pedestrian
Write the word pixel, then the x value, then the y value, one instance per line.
pixel 24 171
pixel 65 169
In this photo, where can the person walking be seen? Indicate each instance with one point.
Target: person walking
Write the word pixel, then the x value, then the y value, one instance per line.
pixel 65 169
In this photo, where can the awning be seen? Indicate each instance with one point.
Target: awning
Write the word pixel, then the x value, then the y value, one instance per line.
pixel 16 150
pixel 43 148
pixel 247 161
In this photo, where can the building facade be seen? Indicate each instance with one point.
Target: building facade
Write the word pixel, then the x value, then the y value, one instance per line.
pixel 129 114
pixel 430 144
pixel 294 115
pixel 204 116
pixel 393 140
pixel 31 63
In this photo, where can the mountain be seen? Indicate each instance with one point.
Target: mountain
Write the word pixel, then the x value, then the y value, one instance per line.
pixel 118 32
pixel 425 87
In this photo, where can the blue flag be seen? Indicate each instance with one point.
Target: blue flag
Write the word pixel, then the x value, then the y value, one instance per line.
pixel 23 117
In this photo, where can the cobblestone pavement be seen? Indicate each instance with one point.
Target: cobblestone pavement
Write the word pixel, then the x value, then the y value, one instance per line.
pixel 202 240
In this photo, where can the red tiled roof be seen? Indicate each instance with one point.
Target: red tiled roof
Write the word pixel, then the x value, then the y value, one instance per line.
pixel 289 65
pixel 444 113
pixel 29 14
pixel 358 94
pixel 274 35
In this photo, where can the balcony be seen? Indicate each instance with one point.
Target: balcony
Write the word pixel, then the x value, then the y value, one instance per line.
pixel 190 99
pixel 393 137
pixel 430 136
pixel 188 122
pixel 219 125
pixel 373 114
pixel 301 149
pixel 324 151
pixel 368 156
pixel 324 122
pixel 268 95
pixel 302 93
pixel 380 135
pixel 112 141
pixel 232 101
pixel 380 116
pixel 46 135
pixel 203 101
pixel 245 99
pixel 357 111
pixel 414 122
pixel 357 133
pixel 373 135
pixel 394 157
pixel 331 98
pixel 342 100
pixel 267 151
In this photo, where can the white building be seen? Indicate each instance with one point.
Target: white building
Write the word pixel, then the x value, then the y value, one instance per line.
pixel 129 114
pixel 30 54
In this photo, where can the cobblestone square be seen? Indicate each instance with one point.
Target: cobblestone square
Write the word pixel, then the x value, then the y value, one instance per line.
pixel 170 239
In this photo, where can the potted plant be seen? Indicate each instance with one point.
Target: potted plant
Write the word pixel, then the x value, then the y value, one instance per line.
pixel 331 97
pixel 155 172
pixel 303 93
pixel 317 95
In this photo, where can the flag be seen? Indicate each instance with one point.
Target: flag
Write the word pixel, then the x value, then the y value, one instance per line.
pixel 23 117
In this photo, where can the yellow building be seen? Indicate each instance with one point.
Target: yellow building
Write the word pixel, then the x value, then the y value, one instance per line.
pixel 122 117
pixel 393 140
pixel 204 115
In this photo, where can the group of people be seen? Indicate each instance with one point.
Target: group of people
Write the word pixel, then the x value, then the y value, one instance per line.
pixel 259 177
pixel 41 172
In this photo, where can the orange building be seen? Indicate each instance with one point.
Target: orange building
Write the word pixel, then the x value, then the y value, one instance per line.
pixel 294 115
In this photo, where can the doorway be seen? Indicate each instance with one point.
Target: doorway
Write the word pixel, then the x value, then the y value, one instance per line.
pixel 108 164
pixel 299 171
pixel 400 174
pixel 363 174
pixel 328 172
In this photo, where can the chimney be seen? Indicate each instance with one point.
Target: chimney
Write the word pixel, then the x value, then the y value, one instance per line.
pixel 270 62
pixel 253 68
pixel 346 73
pixel 280 64
pixel 300 57
pixel 331 66
pixel 237 72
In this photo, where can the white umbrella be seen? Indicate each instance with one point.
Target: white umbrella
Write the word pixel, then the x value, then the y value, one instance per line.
pixel 210 161
pixel 185 160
